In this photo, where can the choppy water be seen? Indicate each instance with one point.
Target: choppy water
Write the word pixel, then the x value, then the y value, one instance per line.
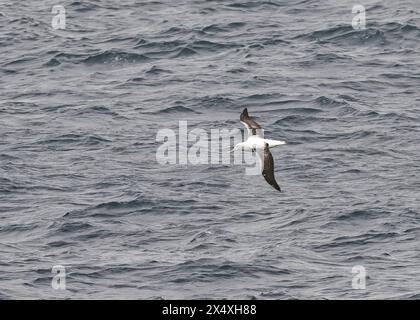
pixel 80 185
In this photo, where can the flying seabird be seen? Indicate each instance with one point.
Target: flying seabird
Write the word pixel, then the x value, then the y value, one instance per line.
pixel 257 143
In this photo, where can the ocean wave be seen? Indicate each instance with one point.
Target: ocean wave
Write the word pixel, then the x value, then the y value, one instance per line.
pixel 254 4
pixel 388 34
pixel 181 48
pixel 77 139
pixel 96 110
pixel 108 57
pixel 176 109
pixel 115 57
pixel 223 27
pixel 357 214
pixel 139 205
pixel 326 101
pixel 84 6
pixel 184 52
pixel 358 240
pixel 71 227
pixel 293 120
pixel 156 71
pixel 160 45
pixel 322 58
pixel 17 228
pixel 204 269
pixel 212 101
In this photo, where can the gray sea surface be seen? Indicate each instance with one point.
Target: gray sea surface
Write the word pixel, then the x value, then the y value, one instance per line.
pixel 80 186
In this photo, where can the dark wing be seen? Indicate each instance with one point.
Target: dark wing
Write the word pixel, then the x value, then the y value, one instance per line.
pixel 251 125
pixel 268 170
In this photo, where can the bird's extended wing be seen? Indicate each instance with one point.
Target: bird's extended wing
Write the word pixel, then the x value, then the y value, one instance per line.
pixel 268 168
pixel 253 127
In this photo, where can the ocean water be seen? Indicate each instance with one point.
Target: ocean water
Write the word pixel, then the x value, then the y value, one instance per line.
pixel 80 186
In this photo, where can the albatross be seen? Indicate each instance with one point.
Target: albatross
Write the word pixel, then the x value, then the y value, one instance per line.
pixel 257 143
